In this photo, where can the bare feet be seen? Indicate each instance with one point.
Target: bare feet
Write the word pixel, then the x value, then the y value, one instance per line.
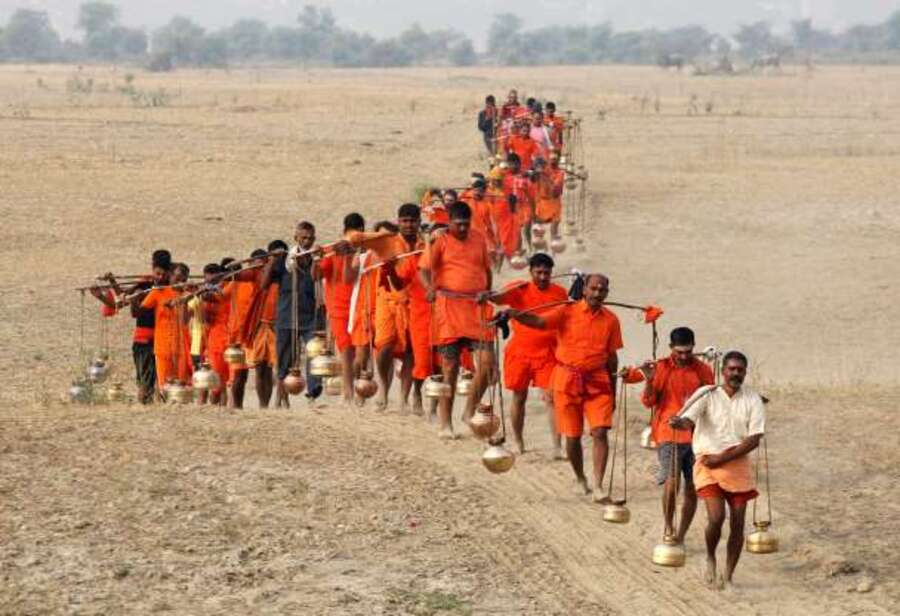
pixel 581 487
pixel 381 405
pixel 417 409
pixel 447 434
pixel 600 498
pixel 520 447
pixel 709 576
pixel 558 453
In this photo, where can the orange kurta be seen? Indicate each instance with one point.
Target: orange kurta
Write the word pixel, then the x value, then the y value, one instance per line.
pixel 392 306
pixel 171 337
pixel 419 318
pixel 337 298
pixel 459 270
pixel 524 147
pixel 508 231
pixel 557 127
pixel 362 330
pixel 581 385
pixel 672 386
pixel 217 318
pixel 549 195
pixel 528 357
pixel 482 218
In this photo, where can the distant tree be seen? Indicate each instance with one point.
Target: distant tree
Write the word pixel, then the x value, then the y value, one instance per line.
pixel 892 28
pixel 283 42
pixel 757 39
pixel 351 49
pixel 181 39
pixel 212 50
pixel 462 53
pixel 29 36
pixel 688 41
pixel 247 38
pixel 865 38
pixel 130 42
pixel 95 17
pixel 389 52
pixel 503 33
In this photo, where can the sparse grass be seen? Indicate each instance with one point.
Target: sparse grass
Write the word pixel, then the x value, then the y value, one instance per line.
pixel 429 603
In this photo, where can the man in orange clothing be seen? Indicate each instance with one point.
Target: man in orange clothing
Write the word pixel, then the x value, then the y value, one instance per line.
pixel 522 145
pixel 171 345
pixel 668 384
pixel 262 353
pixel 528 358
pixel 337 272
pixel 503 213
pixel 588 337
pixel 482 217
pixel 555 124
pixel 215 315
pixel 239 294
pixel 392 313
pixel 549 195
pixel 456 272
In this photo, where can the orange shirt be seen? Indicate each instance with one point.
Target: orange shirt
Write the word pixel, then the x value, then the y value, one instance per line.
pixel 270 305
pixel 239 295
pixel 585 340
pixel 337 291
pixel 166 327
pixel 528 341
pixel 217 313
pixel 482 220
pixel 672 386
pixel 557 126
pixel 524 147
pixel 550 184
pixel 458 265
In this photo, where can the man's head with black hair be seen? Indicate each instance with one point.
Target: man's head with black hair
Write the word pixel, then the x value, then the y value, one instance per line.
pixel 490 100
pixel 460 219
pixel 409 218
pixel 354 222
pixel 305 234
pixel 681 341
pixel 540 266
pixel 180 272
pixel 734 370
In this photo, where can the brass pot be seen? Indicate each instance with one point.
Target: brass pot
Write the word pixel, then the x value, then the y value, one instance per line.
pixel 206 379
pixel 79 393
pixel 538 230
pixel 179 393
pixel 571 184
pixel 325 364
pixel 115 392
pixel 465 385
pixel 234 355
pixel 557 245
pixel 647 441
pixel 317 345
pixel 334 386
pixel 518 262
pixel 762 540
pixel 436 388
pixel 294 383
pixel 484 423
pixel 97 370
pixel 365 386
pixel 539 243
pixel 669 554
pixel 617 513
pixel 498 459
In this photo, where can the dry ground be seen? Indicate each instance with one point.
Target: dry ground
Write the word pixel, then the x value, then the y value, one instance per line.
pixel 768 223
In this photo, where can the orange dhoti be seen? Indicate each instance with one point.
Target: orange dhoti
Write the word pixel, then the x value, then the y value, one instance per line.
pixel 456 318
pixel 173 366
pixel 520 369
pixel 392 321
pixel 732 481
pixel 549 210
pixel 262 348
pixel 216 344
pixel 580 395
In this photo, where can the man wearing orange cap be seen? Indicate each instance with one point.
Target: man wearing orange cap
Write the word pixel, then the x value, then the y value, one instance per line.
pixel 588 337
pixel 528 358
pixel 456 271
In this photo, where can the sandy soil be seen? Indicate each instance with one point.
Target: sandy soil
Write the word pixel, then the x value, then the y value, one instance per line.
pixel 767 223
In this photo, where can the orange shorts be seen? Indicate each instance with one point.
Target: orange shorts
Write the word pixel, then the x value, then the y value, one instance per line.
pixel 338 323
pixel 549 210
pixel 571 412
pixel 734 499
pixel 262 350
pixel 520 371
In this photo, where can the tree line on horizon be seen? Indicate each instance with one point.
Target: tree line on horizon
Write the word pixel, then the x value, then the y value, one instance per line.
pixel 317 40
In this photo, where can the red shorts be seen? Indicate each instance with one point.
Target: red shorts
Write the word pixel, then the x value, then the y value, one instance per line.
pixel 342 339
pixel 520 371
pixel 734 499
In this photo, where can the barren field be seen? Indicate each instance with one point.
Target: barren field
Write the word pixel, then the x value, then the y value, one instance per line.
pixel 763 214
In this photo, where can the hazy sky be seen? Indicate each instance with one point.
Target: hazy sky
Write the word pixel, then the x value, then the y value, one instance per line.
pixel 387 17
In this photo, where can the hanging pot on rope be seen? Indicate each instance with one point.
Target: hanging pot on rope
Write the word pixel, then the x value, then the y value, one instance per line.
pixel 465 384
pixel 435 387
pixel 334 386
pixel 365 385
pixel 571 183
pixel 205 378
pixel 647 441
pixel 563 161
pixel 498 459
pixel 294 383
pixel 97 370
pixel 518 262
pixel 617 513
pixel 317 345
pixel 79 393
pixel 325 364
pixel 669 553
pixel 538 231
pixel 539 243
pixel 762 540
pixel 557 245
pixel 178 393
pixel 234 355
pixel 484 423
pixel 115 392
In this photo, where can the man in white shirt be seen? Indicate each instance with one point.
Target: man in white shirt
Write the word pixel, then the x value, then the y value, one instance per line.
pixel 728 422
